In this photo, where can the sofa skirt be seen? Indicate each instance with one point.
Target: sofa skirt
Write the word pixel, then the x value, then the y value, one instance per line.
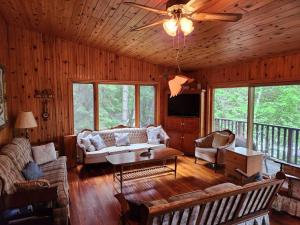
pixel 288 205
pixel 262 220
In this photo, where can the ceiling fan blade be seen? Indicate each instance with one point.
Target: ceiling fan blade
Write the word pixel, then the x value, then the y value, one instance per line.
pixel 147 26
pixel 194 5
pixel 229 17
pixel 162 12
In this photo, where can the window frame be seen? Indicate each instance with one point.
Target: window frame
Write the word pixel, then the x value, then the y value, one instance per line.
pixel 251 104
pixel 137 85
pixel 138 103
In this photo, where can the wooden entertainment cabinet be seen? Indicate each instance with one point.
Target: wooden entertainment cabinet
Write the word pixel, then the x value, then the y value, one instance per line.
pixel 183 131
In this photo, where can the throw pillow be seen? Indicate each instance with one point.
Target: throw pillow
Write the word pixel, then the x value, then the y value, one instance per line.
pixel 122 139
pixel 219 140
pixel 32 185
pixel 97 142
pixel 32 171
pixel 86 142
pixel 153 134
pixel 44 153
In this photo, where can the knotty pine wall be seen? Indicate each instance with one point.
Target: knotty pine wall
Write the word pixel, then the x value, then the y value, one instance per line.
pixel 276 70
pixel 39 61
pixel 283 69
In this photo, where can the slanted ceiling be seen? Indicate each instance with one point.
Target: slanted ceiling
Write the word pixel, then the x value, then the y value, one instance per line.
pixel 268 27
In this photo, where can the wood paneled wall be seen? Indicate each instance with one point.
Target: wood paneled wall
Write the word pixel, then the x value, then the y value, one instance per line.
pixel 5 133
pixel 283 69
pixel 275 70
pixel 39 61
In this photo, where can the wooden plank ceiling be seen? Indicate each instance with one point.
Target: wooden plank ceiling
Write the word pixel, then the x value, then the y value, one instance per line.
pixel 268 27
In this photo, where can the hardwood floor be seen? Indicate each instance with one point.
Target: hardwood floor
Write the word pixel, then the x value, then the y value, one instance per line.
pixel 92 191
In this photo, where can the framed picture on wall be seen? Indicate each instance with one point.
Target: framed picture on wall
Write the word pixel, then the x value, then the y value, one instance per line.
pixel 3 106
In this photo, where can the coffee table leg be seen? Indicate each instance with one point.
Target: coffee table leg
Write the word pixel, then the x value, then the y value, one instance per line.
pixel 114 173
pixel 121 178
pixel 175 165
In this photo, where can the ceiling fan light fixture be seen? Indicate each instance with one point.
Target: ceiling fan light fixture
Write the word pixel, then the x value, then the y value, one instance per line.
pixel 186 26
pixel 170 26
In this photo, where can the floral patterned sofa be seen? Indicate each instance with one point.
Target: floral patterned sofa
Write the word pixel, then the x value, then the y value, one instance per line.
pixel 13 158
pixel 137 137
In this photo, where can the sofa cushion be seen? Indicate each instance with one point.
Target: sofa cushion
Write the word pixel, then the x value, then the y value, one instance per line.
pixel 208 154
pixel 44 153
pixel 222 188
pixel 60 163
pixel 57 176
pixel 193 194
pixel 219 140
pixel 18 153
pixel 9 174
pixel 120 149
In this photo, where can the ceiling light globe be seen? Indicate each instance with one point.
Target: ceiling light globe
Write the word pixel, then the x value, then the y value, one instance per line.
pixel 186 26
pixel 170 26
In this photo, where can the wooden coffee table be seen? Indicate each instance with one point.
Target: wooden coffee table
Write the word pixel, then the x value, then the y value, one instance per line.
pixel 122 160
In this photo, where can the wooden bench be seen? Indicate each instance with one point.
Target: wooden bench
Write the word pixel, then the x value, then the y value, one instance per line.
pixel 250 202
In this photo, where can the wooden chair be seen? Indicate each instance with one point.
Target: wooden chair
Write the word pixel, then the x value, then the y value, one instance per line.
pixel 39 215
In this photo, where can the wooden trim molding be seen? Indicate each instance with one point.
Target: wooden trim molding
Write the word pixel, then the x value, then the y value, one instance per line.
pixel 202 113
pixel 250 117
pixel 96 106
pixel 137 105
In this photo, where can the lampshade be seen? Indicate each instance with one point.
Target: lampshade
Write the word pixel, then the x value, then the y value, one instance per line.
pixel 186 26
pixel 170 26
pixel 25 120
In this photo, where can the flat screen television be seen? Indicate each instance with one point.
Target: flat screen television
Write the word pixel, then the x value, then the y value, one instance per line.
pixel 185 105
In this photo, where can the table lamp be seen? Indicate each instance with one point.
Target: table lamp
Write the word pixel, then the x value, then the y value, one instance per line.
pixel 25 120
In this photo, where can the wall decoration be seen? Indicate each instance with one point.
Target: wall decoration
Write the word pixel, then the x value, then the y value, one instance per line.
pixel 3 104
pixel 46 95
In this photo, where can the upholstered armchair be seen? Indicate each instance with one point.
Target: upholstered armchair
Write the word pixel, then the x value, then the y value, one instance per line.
pixel 212 147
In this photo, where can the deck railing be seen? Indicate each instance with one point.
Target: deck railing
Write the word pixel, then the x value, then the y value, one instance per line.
pixel 278 141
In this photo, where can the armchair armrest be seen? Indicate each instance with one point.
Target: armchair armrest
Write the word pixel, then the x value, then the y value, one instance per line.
pixel 165 137
pixel 21 199
pixel 199 141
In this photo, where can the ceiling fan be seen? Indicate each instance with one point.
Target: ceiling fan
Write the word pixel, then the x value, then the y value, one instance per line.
pixel 182 14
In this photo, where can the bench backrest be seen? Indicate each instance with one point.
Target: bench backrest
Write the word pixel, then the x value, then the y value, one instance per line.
pixel 253 200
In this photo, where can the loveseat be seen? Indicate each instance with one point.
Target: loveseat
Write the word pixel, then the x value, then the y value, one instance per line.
pixel 225 203
pixel 15 156
pixel 138 140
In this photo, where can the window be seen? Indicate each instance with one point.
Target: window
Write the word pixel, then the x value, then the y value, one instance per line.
pixel 276 118
pixel 102 105
pixel 83 105
pixel 147 105
pixel 116 105
pixel 230 110
pixel 277 121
